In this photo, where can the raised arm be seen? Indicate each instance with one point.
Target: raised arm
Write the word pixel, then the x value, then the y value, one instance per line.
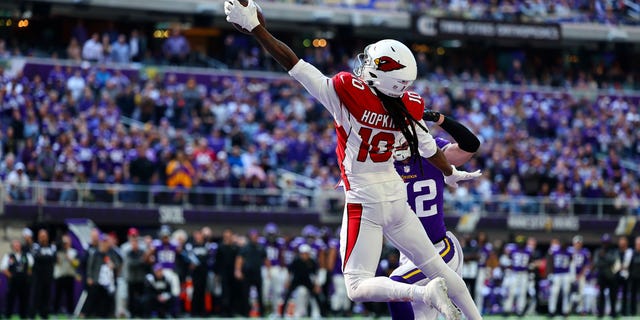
pixel 247 18
pixel 316 83
pixel 276 48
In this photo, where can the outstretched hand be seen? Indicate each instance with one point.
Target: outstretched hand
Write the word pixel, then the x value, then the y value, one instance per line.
pixel 244 16
pixel 452 180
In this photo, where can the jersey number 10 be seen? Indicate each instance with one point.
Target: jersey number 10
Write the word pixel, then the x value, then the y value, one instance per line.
pixel 371 146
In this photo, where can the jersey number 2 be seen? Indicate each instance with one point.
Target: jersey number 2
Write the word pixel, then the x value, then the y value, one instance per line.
pixel 431 194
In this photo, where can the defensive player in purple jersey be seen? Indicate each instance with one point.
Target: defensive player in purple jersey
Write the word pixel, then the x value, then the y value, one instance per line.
pixel 561 274
pixel 163 254
pixel 581 258
pixel 517 275
pixel 163 251
pixel 425 191
pixel 485 249
pixel 275 273
pixel 340 303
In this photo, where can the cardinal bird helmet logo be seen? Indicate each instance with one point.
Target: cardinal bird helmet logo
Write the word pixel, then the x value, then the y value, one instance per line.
pixel 387 64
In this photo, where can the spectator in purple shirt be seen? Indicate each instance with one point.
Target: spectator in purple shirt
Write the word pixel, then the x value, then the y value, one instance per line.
pixel 176 49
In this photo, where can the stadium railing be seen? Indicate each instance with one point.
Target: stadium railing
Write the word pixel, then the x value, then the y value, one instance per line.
pixel 119 195
pixel 283 199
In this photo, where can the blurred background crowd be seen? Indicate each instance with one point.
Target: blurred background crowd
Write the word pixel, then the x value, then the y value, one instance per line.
pixel 239 131
pixel 617 11
pixel 175 273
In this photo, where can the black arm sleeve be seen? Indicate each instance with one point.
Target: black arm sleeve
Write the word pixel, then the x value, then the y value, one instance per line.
pixel 467 141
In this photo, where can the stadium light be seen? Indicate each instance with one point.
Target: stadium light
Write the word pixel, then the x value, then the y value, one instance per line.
pixel 423 48
pixel 319 43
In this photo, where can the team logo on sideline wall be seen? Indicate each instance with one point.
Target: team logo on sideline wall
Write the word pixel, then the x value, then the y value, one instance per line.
pixel 387 64
pixel 171 214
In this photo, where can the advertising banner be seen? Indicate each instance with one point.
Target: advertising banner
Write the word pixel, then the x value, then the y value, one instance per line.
pixel 458 28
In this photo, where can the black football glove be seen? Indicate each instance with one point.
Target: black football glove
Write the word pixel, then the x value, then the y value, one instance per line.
pixel 430 115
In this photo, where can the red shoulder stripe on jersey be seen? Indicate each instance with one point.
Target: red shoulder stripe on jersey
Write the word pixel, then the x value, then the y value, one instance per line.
pixel 354 216
pixel 341 153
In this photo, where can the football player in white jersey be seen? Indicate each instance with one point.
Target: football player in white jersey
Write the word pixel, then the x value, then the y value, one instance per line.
pixel 372 109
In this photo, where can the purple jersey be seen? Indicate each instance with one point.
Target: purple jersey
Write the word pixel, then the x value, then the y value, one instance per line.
pixel 117 157
pixel 483 254
pixel 509 247
pixel 520 259
pixel 425 193
pixel 290 250
pixel 274 249
pixel 561 259
pixel 334 243
pixel 165 254
pixel 85 156
pixel 581 258
pixel 213 250
pixel 317 246
pixel 102 157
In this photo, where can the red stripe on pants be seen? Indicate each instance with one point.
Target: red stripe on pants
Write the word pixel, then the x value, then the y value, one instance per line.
pixel 354 215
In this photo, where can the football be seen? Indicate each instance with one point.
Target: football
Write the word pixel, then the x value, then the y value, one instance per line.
pixel 260 17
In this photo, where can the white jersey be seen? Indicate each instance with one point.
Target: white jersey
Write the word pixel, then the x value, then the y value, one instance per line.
pixel 366 134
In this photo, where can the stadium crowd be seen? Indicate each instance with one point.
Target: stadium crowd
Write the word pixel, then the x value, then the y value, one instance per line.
pixel 236 130
pixel 603 68
pixel 258 274
pixel 599 11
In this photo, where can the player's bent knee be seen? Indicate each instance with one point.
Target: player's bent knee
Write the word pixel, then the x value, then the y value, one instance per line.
pixel 352 281
pixel 352 290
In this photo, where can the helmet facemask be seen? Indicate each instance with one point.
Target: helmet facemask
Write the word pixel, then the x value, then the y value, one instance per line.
pixel 363 59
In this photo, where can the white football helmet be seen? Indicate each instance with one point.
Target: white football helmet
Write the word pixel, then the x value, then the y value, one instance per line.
pixel 401 150
pixel 388 65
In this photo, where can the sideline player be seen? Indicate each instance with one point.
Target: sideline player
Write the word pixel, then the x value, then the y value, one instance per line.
pixel 561 270
pixel 425 191
pixel 516 277
pixel 340 303
pixel 274 275
pixel 372 110
pixel 484 251
pixel 581 258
